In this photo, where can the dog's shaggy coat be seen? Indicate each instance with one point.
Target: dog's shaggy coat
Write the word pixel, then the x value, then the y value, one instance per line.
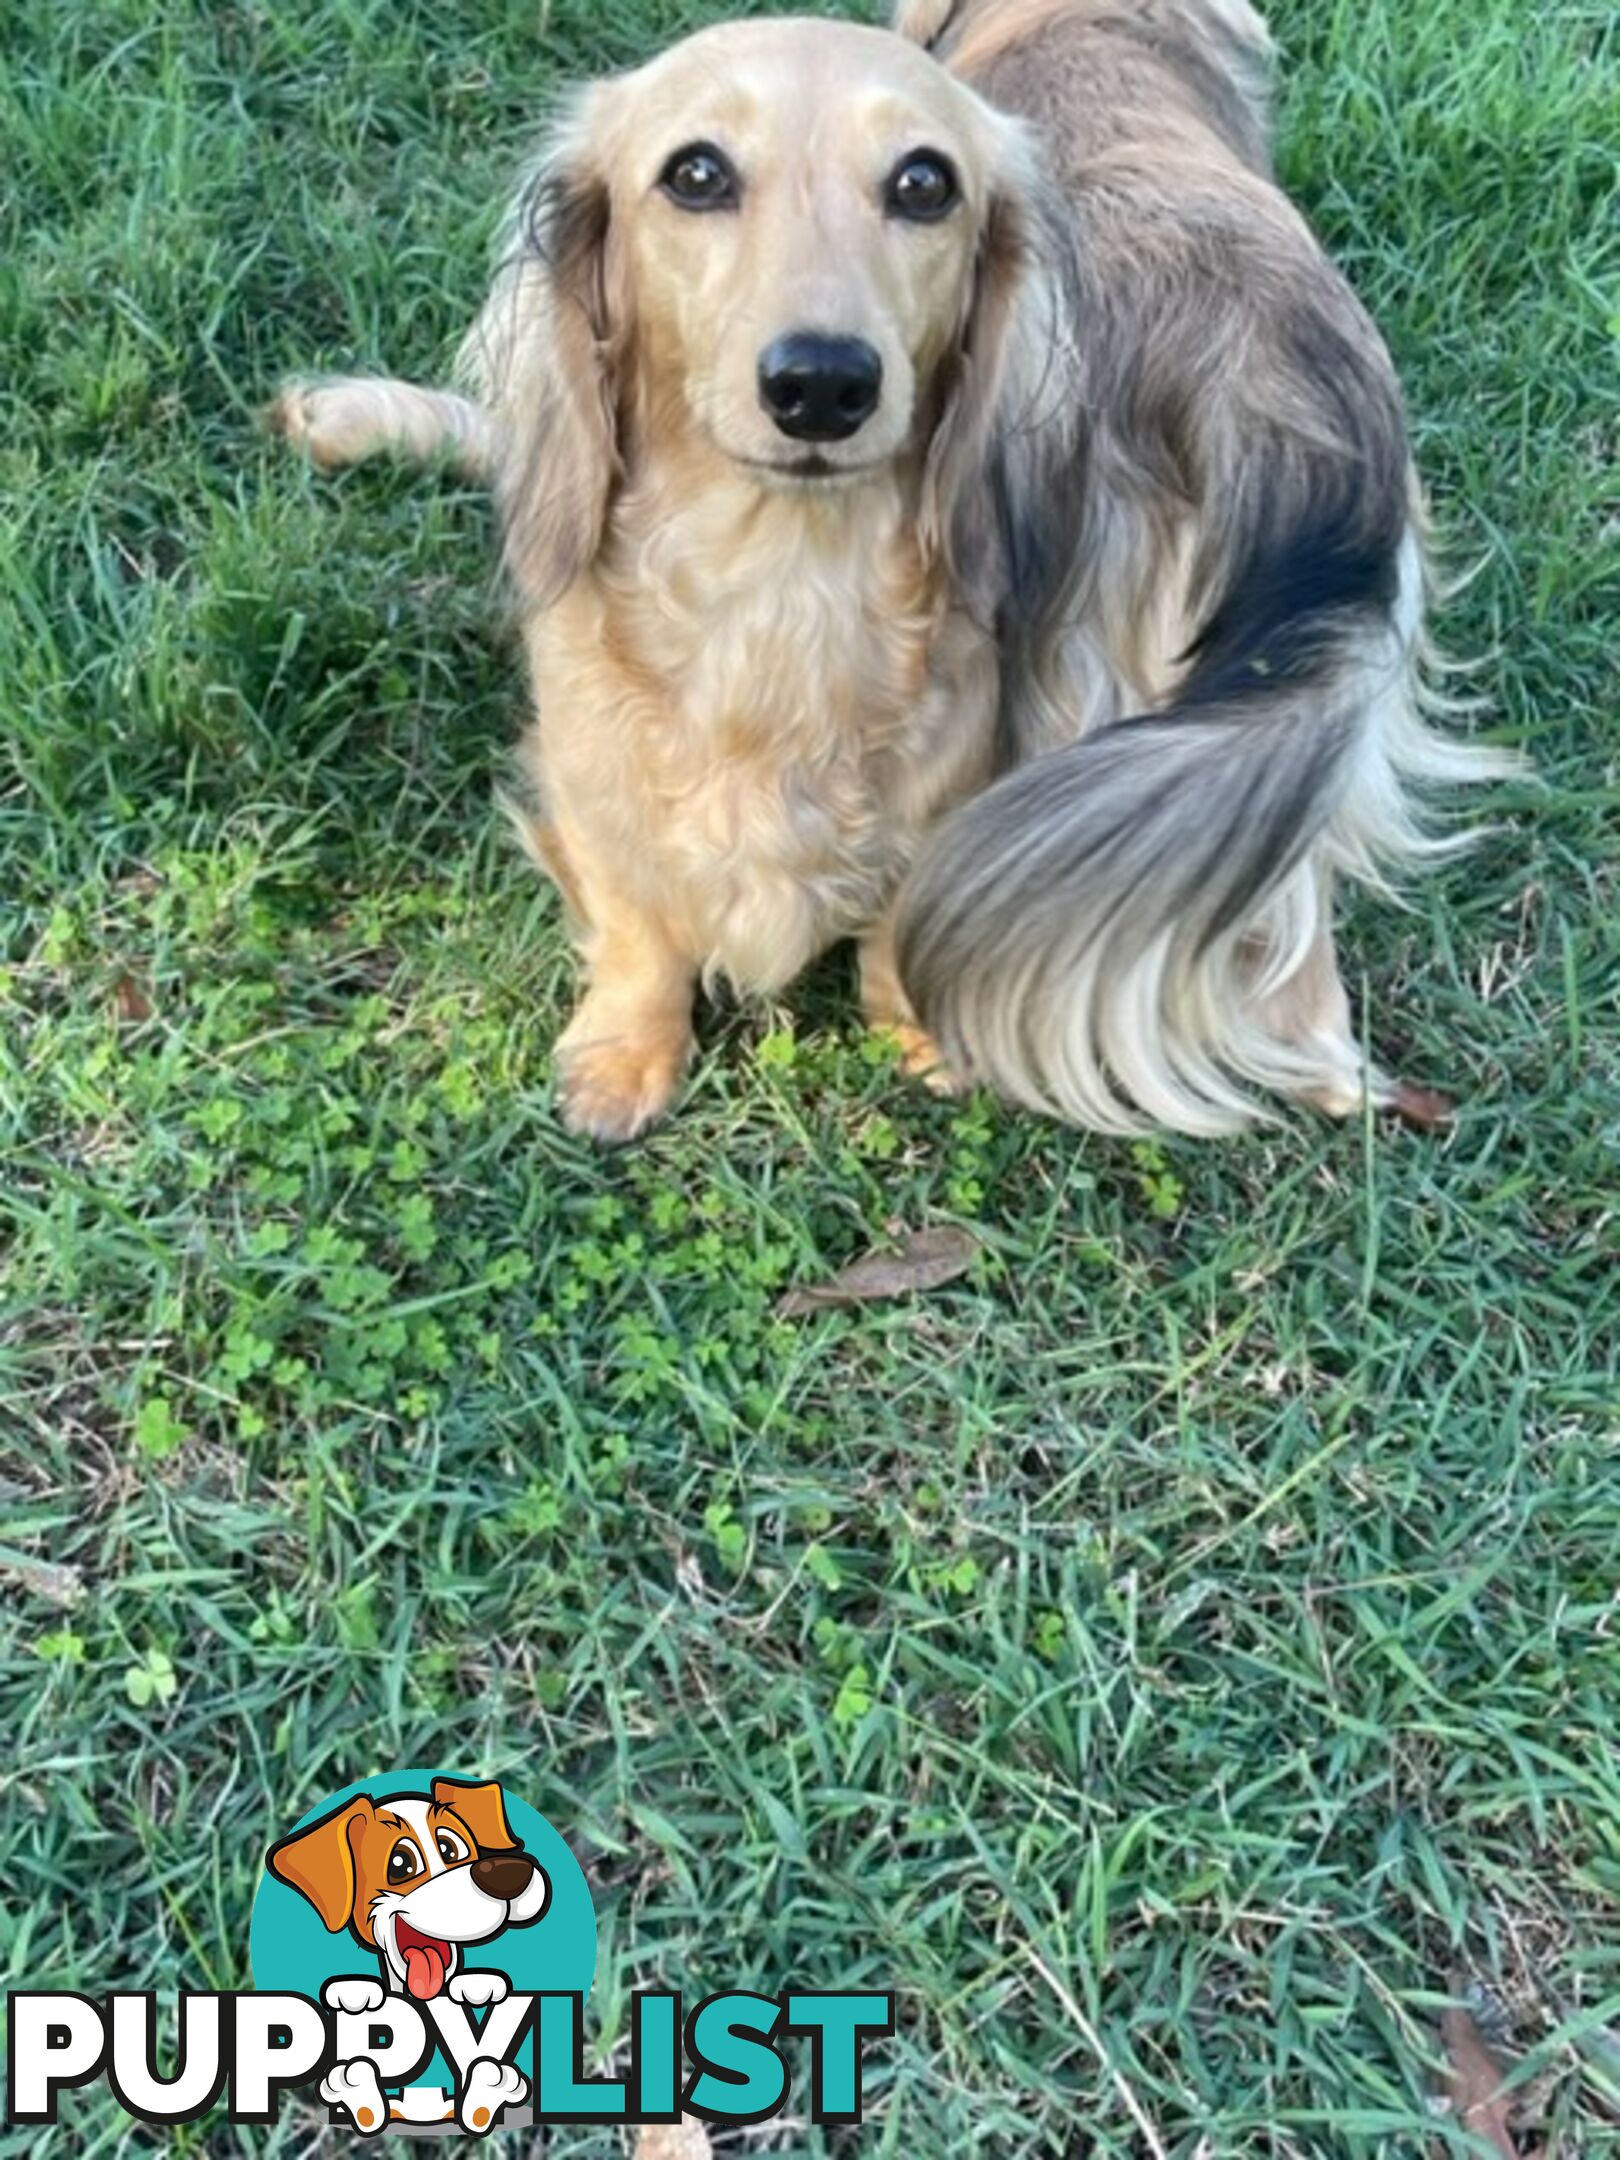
pixel 1072 677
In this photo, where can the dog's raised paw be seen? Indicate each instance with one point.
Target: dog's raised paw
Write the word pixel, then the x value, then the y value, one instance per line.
pixel 355 1996
pixel 488 2088
pixel 355 2088
pixel 333 424
pixel 291 414
pixel 478 1989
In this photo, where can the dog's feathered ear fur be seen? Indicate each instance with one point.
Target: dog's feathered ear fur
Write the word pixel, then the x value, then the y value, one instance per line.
pixel 545 354
pixel 922 21
pixel 1007 391
pixel 482 1808
pixel 318 1862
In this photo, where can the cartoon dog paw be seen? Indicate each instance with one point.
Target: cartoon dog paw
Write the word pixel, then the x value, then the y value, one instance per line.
pixel 356 2088
pixel 355 1996
pixel 478 1989
pixel 489 2087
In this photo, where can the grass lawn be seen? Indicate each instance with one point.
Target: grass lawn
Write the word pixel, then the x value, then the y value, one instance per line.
pixel 1189 1642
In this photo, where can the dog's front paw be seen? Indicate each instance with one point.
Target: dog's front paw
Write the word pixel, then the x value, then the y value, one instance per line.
pixel 489 2087
pixel 613 1087
pixel 354 1996
pixel 355 2088
pixel 478 1989
pixel 920 1058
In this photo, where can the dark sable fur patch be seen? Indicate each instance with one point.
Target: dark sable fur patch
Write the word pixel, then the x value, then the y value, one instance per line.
pixel 1038 463
pixel 1302 594
pixel 1282 617
pixel 564 222
pixel 1318 542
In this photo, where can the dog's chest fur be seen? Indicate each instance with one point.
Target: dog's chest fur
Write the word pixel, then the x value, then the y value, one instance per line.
pixel 766 704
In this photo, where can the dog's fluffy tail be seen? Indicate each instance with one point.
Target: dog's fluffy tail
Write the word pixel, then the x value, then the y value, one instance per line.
pixel 1135 929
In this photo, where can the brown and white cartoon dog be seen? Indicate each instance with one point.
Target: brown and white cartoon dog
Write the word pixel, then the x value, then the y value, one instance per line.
pixel 415 1878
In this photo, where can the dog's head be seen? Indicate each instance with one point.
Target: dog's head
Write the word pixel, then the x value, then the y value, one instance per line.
pixel 416 1876
pixel 789 248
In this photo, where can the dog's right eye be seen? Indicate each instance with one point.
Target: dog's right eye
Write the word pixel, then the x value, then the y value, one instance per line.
pixel 403 1862
pixel 700 177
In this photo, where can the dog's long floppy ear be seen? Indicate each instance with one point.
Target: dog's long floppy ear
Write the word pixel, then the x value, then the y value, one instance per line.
pixel 482 1808
pixel 318 1862
pixel 546 354
pixel 922 21
pixel 1003 386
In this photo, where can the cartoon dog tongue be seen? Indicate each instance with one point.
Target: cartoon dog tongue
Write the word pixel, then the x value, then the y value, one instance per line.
pixel 424 1968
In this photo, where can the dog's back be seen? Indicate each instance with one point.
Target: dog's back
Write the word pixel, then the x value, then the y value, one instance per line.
pixel 1093 75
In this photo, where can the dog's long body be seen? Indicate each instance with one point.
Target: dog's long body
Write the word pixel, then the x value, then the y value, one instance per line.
pixel 951 502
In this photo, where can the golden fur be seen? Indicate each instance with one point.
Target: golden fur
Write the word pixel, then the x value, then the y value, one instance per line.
pixel 1138 453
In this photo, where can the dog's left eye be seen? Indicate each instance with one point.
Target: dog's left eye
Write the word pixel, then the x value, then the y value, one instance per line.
pixel 700 177
pixel 451 1848
pixel 921 188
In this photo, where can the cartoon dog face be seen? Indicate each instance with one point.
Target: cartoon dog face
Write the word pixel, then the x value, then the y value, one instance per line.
pixel 416 1876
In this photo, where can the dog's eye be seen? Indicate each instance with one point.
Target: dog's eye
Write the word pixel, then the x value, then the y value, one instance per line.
pixel 700 177
pixel 451 1849
pixel 922 187
pixel 404 1861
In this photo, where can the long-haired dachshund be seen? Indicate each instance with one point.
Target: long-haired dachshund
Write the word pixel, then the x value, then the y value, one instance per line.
pixel 951 502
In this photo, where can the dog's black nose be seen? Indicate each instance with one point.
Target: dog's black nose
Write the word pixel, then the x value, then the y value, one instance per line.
pixel 820 389
pixel 504 1875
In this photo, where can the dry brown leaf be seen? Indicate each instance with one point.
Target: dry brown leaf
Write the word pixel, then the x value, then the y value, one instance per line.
pixel 1475 2084
pixel 923 1260
pixel 1425 1109
pixel 131 1000
pixel 685 2140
